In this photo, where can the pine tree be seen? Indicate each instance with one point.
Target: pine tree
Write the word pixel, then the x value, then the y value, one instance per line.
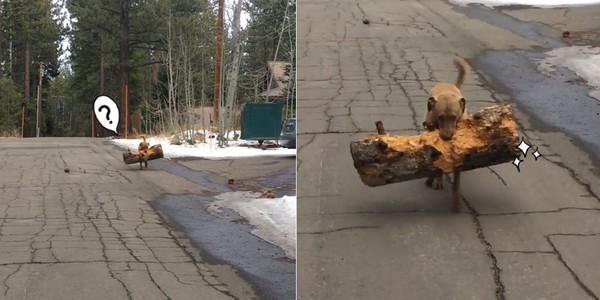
pixel 30 35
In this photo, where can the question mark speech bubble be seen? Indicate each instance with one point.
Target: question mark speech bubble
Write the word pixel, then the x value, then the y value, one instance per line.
pixel 107 113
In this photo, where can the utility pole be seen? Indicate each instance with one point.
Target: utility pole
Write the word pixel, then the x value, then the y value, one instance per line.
pixel 23 121
pixel 10 55
pixel 218 56
pixel 39 99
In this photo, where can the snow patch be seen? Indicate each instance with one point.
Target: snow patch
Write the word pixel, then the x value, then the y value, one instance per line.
pixel 209 150
pixel 583 60
pixel 275 219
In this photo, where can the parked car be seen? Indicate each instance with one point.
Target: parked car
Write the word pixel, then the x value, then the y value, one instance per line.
pixel 287 139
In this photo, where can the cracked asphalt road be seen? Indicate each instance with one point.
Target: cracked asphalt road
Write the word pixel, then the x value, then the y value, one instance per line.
pixel 91 233
pixel 528 235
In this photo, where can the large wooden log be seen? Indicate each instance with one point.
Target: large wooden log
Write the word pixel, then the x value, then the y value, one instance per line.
pixel 153 152
pixel 486 138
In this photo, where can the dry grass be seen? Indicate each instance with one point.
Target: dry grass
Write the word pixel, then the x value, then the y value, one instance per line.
pixel 12 133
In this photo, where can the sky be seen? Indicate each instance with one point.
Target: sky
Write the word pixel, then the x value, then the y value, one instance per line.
pixel 229 6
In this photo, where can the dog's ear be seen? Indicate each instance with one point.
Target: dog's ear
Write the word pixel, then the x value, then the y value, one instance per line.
pixel 463 104
pixel 430 103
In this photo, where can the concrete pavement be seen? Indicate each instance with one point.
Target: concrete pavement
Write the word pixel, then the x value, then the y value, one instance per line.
pixel 527 235
pixel 91 233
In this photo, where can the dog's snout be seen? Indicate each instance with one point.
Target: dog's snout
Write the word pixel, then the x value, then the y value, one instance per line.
pixel 446 134
pixel 446 137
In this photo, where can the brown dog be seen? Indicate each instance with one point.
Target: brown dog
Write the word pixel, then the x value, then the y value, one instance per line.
pixel 445 108
pixel 143 149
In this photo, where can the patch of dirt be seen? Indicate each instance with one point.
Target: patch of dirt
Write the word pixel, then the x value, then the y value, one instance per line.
pixel 583 38
pixel 242 221
pixel 264 146
pixel 286 259
pixel 578 81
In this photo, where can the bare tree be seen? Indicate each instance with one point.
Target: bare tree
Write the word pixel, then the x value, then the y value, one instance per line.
pixel 171 107
pixel 186 44
pixel 232 75
pixel 283 27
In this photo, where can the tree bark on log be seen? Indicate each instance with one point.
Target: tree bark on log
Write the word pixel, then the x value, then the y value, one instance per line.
pixel 487 138
pixel 154 152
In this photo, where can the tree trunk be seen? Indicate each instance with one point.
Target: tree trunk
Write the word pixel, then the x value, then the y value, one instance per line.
pixel 487 138
pixel 124 66
pixel 186 71
pixel 218 118
pixel 171 73
pixel 156 57
pixel 271 77
pixel 99 130
pixel 235 66
pixel 102 80
pixel 27 70
pixel 10 55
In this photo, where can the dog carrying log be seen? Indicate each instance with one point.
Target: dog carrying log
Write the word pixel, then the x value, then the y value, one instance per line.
pixel 487 138
pixel 154 152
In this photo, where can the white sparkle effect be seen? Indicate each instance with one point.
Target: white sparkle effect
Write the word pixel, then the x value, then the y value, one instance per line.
pixel 524 147
pixel 517 162
pixel 536 154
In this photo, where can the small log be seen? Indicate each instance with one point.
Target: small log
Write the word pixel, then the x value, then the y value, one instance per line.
pixel 487 138
pixel 154 152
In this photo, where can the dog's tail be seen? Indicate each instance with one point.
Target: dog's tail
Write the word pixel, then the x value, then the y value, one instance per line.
pixel 143 137
pixel 463 71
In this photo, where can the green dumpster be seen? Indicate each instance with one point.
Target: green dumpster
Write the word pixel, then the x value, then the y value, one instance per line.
pixel 261 121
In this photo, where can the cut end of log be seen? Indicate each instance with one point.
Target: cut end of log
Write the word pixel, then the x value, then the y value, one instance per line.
pixel 487 138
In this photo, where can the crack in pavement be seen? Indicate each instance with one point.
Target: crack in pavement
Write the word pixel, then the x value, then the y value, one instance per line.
pixel 577 279
pixel 156 284
pixel 5 281
pixel 299 149
pixel 540 211
pixel 523 252
pixel 339 229
pixel 488 250
pixel 497 175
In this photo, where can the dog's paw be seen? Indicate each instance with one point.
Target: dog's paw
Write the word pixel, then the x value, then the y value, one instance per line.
pixel 429 182
pixel 428 126
pixel 456 209
pixel 456 205
pixel 438 183
pixel 435 183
